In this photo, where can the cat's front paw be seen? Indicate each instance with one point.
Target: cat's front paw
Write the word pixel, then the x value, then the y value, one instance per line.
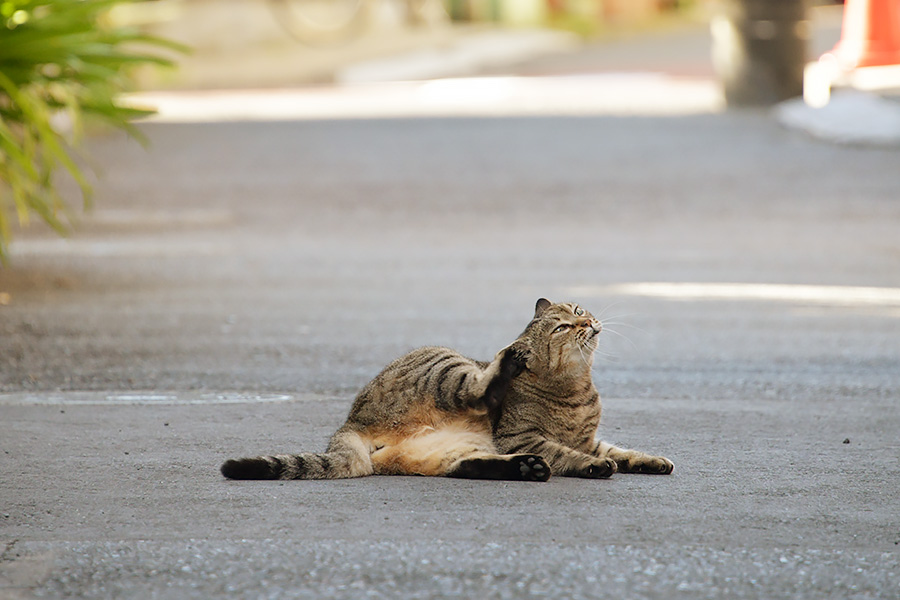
pixel 598 468
pixel 660 465
pixel 648 465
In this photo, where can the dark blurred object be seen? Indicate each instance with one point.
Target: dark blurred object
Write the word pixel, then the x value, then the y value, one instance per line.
pixel 760 49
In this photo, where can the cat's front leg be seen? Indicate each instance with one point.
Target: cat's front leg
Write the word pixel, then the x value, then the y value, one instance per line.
pixel 632 461
pixel 563 460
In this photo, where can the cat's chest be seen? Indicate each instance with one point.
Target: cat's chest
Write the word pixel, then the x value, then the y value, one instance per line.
pixel 576 423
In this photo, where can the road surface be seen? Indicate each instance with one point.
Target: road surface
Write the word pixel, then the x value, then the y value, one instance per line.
pixel 238 282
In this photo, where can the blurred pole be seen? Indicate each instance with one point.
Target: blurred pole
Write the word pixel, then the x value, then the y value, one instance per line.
pixel 759 50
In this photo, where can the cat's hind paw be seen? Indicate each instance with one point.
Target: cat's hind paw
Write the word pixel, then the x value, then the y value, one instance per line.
pixel 533 468
pixel 514 361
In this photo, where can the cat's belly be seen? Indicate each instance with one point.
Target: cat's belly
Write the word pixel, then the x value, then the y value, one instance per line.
pixel 429 447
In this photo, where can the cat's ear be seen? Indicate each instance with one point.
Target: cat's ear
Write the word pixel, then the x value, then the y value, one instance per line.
pixel 539 308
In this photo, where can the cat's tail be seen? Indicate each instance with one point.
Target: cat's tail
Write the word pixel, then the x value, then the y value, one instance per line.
pixel 347 456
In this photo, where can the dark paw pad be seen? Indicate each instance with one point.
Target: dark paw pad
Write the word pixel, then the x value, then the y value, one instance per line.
pixel 533 468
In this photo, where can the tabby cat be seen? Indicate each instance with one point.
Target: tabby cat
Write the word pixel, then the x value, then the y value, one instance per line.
pixel 531 412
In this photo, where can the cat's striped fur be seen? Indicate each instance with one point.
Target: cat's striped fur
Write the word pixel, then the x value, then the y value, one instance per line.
pixel 553 409
pixel 532 411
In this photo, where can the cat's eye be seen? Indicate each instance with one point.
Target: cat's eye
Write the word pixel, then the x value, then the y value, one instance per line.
pixel 579 311
pixel 562 328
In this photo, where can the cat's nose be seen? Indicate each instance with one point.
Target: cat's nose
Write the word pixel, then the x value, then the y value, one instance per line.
pixel 593 324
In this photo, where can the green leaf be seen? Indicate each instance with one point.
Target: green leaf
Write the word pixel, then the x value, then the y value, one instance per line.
pixel 60 56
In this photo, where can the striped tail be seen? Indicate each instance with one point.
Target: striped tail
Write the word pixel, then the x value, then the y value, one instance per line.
pixel 283 466
pixel 347 456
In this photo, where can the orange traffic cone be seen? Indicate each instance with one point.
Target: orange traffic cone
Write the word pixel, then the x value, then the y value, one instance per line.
pixel 870 34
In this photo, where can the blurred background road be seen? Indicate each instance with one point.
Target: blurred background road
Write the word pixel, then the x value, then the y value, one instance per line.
pixel 630 57
pixel 270 250
pixel 242 43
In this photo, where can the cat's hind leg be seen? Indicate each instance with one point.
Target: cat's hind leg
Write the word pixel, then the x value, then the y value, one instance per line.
pixel 489 386
pixel 453 450
pixel 347 456
pixel 457 383
pixel 523 467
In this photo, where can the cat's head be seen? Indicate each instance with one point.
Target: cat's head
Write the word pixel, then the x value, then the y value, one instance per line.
pixel 561 338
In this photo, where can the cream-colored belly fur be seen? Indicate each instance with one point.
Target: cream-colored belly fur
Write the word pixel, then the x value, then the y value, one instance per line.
pixel 431 449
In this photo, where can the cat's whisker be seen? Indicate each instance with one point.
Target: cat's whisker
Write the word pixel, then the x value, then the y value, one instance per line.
pixel 582 345
pixel 607 308
pixel 623 324
pixel 624 337
pixel 608 352
pixel 619 316
pixel 604 352
pixel 606 356
pixel 584 359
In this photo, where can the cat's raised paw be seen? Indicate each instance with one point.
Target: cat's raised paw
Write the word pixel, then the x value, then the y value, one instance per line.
pixel 533 468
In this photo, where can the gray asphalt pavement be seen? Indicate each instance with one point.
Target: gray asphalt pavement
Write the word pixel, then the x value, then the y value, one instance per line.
pixel 238 282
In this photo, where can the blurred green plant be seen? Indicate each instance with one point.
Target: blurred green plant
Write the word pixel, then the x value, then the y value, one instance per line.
pixel 62 63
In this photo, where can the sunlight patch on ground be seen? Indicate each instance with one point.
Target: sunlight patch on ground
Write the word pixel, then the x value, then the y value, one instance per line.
pixel 825 295
pixel 118 247
pixel 147 398
pixel 616 94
